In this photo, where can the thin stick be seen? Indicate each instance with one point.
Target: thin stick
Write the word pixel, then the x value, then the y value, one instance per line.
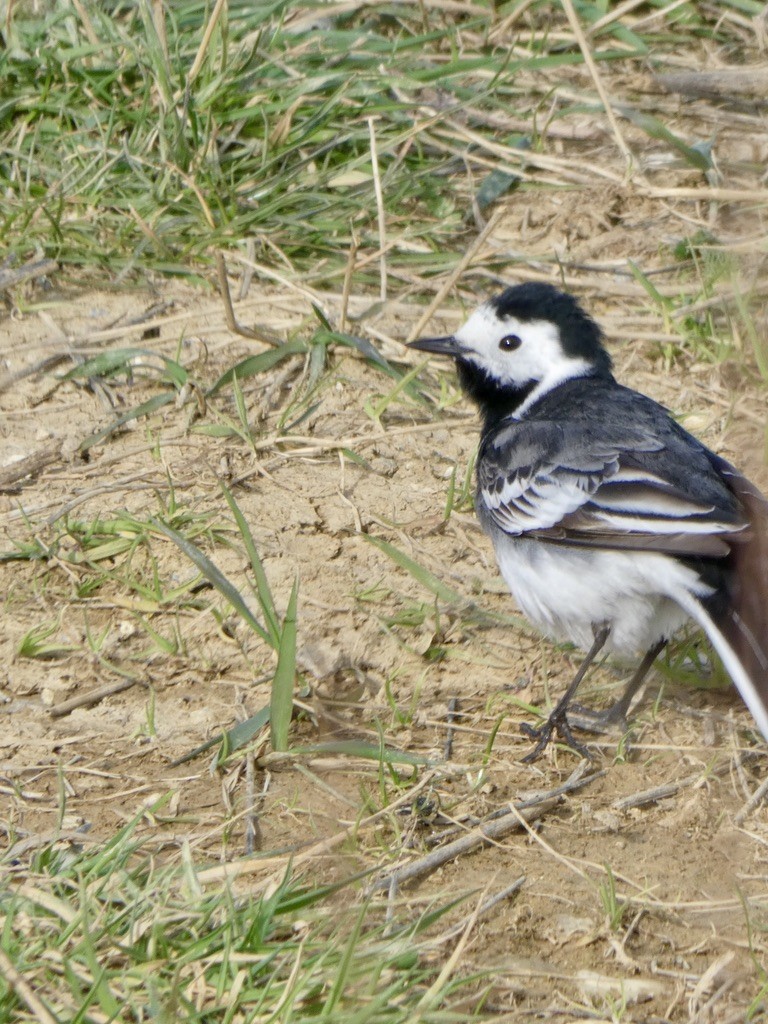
pixel 93 38
pixel 258 333
pixel 565 861
pixel 493 828
pixel 425 1003
pixel 457 271
pixel 754 800
pixel 31 465
pixel 704 195
pixel 272 275
pixel 649 796
pixel 751 83
pixel 347 286
pixel 619 12
pixel 84 700
pixel 489 904
pixel 379 211
pixel 576 781
pixel 485 834
pixel 653 795
pixel 254 865
pixel 453 705
pixel 597 80
pixel 38 268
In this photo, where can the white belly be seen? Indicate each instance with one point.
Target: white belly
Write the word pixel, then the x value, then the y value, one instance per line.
pixel 567 591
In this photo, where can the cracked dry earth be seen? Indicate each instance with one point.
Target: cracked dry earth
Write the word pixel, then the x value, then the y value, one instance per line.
pixel 382 659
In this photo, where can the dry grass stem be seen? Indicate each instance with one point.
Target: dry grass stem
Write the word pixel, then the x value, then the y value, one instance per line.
pixel 455 274
pixel 586 51
pixel 382 221
pixel 258 333
pixel 85 700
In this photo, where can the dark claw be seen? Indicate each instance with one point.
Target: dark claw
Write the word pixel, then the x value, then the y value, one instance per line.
pixel 556 723
pixel 608 720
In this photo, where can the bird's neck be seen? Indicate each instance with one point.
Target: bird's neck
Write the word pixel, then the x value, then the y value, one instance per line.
pixel 494 400
pixel 497 402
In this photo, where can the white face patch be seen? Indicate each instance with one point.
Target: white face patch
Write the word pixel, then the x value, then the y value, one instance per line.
pixel 539 359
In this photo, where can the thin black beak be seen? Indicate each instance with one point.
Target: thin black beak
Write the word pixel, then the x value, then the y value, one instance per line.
pixel 440 346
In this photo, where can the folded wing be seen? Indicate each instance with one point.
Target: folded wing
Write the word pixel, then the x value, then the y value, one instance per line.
pixel 545 480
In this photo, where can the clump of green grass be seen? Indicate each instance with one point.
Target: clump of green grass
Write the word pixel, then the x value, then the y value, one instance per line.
pixel 106 933
pixel 140 135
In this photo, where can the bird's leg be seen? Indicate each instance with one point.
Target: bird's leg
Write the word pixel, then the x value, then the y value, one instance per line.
pixel 616 714
pixel 558 719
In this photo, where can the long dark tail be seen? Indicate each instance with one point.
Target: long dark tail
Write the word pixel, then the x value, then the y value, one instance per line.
pixel 738 626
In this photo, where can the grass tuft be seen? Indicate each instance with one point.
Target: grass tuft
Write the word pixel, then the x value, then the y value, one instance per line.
pixel 107 933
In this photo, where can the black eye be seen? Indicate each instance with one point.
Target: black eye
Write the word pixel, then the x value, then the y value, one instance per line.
pixel 509 343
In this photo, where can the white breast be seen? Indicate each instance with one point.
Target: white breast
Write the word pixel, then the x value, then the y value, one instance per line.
pixel 567 591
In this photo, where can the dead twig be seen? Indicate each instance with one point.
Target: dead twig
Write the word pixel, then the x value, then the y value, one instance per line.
pixel 576 781
pixel 379 213
pixel 257 333
pixel 757 797
pixel 30 466
pixel 427 1000
pixel 668 789
pixel 750 84
pixel 653 795
pixel 450 718
pixel 92 697
pixel 485 907
pixel 484 835
pixel 602 92
pixel 39 268
pixel 455 274
pixel 256 865
pixel 491 830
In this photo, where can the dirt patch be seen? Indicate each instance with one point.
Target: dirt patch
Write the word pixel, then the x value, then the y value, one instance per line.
pixel 661 905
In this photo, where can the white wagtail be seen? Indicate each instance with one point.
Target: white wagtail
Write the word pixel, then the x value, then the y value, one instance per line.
pixel 611 524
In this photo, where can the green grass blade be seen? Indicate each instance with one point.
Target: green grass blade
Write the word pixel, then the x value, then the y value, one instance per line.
pixel 693 155
pixel 362 345
pixel 214 575
pixel 242 411
pixel 366 751
pixel 254 365
pixel 240 734
pixel 281 701
pixel 419 573
pixel 145 409
pixel 645 282
pixel 122 359
pixel 340 981
pixel 376 410
pixel 263 590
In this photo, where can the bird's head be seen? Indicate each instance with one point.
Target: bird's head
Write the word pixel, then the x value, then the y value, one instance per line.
pixel 522 343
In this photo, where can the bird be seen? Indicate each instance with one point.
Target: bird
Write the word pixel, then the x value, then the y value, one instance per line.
pixel 611 524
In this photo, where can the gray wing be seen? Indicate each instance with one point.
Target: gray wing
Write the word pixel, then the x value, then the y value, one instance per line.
pixel 617 488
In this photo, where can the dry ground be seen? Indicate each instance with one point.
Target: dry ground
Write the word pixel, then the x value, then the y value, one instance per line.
pixel 684 939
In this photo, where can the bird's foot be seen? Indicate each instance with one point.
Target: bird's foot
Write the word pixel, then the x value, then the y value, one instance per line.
pixel 611 719
pixel 543 734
